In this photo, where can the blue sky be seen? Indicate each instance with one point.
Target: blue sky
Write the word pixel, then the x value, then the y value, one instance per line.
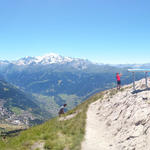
pixel 104 31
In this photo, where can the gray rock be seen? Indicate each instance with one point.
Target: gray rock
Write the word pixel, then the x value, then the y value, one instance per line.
pixel 127 117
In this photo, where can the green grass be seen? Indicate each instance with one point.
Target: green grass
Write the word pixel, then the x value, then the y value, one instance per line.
pixel 10 127
pixel 71 100
pixel 48 103
pixel 16 110
pixel 56 134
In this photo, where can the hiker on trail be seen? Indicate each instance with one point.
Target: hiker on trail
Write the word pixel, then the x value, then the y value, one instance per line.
pixel 61 111
pixel 118 80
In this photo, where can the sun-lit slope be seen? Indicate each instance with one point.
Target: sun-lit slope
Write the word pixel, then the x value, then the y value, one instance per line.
pixel 16 105
pixel 56 134
pixel 112 108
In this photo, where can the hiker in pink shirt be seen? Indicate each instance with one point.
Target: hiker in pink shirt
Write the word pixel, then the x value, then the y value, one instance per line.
pixel 118 80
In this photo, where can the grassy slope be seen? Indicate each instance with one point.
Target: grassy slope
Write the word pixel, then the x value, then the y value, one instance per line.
pixel 8 127
pixel 56 134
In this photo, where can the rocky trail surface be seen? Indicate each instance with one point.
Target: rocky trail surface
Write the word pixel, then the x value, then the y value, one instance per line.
pixel 96 138
pixel 120 121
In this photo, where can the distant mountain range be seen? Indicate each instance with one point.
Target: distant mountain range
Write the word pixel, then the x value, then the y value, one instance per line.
pixel 47 60
pixel 136 66
pixel 53 58
pixel 53 80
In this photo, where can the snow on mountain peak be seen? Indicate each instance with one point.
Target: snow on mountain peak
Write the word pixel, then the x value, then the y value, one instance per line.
pixel 49 59
pixel 46 59
pixel 52 58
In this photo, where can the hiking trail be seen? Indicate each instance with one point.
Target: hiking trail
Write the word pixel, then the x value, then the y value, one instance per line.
pixel 96 136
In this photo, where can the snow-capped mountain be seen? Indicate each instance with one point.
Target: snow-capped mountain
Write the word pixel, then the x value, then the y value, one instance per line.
pixel 51 58
pixel 4 62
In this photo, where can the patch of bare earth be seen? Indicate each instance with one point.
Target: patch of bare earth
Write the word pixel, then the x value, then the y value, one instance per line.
pixel 38 145
pixel 69 116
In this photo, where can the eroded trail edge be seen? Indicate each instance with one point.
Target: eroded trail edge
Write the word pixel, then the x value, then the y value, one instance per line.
pixel 96 137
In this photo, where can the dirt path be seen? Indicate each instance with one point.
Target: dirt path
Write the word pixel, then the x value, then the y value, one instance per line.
pixel 38 145
pixel 67 117
pixel 97 137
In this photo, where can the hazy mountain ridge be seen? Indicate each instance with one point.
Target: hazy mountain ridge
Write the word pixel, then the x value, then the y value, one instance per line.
pixel 135 66
pixel 53 58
